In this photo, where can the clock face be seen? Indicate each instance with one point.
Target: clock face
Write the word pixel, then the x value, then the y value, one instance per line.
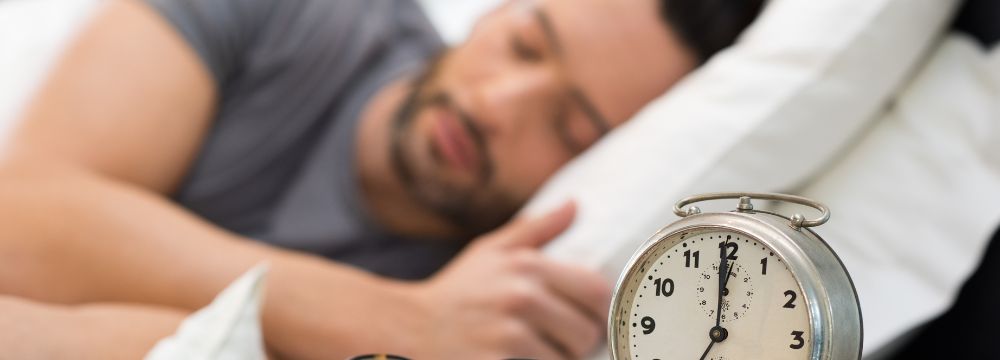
pixel 668 304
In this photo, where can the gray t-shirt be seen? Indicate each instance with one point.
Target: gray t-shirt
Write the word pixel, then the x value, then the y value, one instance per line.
pixel 293 77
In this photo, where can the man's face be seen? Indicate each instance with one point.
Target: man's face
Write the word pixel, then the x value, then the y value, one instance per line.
pixel 536 83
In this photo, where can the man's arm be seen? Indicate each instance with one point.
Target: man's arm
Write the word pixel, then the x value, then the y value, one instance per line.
pixel 33 330
pixel 84 219
pixel 82 180
pixel 74 237
pixel 129 100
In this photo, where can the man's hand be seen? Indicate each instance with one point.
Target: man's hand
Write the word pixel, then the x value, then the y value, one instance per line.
pixel 501 298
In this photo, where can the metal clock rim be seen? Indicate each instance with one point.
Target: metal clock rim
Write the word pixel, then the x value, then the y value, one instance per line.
pixel 797 220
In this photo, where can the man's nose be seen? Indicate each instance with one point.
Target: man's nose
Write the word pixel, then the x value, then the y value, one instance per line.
pixel 508 101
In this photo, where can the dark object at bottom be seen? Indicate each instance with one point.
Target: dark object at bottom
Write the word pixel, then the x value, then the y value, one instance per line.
pixel 378 357
pixel 981 20
pixel 968 330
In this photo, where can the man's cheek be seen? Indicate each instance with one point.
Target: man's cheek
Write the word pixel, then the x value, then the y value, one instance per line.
pixel 520 177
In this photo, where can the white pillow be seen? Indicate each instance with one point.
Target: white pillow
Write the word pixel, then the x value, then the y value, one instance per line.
pixel 227 329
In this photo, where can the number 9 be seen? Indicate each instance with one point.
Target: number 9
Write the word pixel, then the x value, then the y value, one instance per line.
pixel 648 325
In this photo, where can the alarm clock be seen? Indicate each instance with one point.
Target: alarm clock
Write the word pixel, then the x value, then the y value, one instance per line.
pixel 746 284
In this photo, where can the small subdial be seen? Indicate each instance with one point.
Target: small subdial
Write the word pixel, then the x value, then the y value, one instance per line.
pixel 736 297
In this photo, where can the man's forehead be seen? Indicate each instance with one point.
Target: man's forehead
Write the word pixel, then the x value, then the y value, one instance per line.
pixel 623 11
pixel 619 52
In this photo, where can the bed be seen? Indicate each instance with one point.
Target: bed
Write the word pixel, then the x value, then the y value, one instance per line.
pixel 893 123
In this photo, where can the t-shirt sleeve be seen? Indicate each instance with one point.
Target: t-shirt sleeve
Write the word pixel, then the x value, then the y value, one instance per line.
pixel 220 31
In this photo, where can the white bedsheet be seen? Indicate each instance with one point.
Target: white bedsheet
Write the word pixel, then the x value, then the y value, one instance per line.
pixel 32 34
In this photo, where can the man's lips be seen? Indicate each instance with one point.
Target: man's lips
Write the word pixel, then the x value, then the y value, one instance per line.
pixel 453 141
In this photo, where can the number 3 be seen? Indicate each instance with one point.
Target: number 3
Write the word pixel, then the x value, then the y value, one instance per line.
pixel 797 336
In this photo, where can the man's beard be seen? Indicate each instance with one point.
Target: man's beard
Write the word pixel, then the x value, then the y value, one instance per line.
pixel 473 210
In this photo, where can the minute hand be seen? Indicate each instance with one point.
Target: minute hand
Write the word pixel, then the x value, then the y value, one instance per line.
pixel 724 271
pixel 718 334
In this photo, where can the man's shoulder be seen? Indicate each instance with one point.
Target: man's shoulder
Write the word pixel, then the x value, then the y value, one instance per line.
pixel 231 36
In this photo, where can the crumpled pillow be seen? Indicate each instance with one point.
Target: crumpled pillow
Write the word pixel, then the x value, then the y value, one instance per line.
pixel 227 329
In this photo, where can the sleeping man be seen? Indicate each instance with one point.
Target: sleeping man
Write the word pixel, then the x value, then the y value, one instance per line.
pixel 357 153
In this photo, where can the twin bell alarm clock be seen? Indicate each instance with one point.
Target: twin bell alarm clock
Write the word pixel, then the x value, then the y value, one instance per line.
pixel 742 285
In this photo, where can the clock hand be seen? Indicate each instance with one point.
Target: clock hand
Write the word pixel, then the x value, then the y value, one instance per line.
pixel 723 278
pixel 718 333
pixel 704 354
pixel 725 284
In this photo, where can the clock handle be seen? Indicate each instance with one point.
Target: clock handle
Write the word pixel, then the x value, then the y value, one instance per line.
pixel 797 220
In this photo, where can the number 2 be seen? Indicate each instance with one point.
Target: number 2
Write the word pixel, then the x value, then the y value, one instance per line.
pixel 791 300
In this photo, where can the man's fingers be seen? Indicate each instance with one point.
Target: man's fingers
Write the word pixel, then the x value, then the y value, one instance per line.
pixel 575 332
pixel 538 231
pixel 536 348
pixel 584 288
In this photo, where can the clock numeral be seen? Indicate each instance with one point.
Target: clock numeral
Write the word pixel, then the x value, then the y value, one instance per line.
pixel 687 258
pixel 799 341
pixel 664 287
pixel 732 247
pixel 648 325
pixel 791 299
pixel 763 266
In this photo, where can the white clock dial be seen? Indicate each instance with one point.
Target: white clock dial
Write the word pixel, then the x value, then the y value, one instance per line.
pixel 670 302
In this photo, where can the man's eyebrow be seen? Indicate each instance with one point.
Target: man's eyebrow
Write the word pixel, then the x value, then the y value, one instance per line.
pixel 600 122
pixel 549 30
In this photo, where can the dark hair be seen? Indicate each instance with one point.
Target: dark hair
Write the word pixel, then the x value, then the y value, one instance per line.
pixel 708 26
